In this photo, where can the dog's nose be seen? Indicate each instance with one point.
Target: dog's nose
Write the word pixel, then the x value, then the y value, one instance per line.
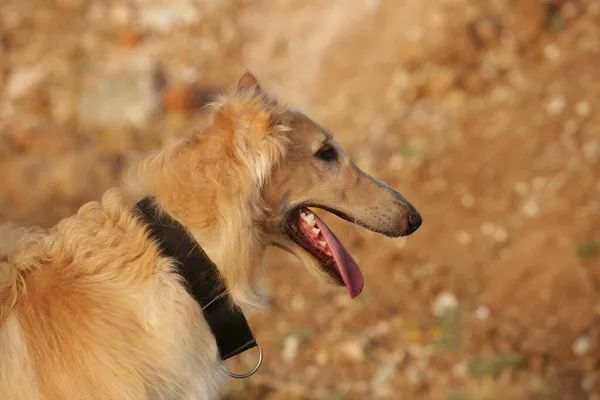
pixel 414 221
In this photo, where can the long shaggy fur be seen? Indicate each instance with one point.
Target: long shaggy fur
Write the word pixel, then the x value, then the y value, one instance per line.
pixel 90 309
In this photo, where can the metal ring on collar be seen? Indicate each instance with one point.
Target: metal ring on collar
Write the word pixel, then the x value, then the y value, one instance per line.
pixel 253 371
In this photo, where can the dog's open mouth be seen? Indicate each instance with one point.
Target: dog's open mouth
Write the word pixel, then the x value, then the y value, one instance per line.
pixel 306 229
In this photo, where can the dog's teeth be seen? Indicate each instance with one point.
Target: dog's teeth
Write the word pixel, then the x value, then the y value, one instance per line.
pixel 316 230
pixel 309 218
pixel 323 244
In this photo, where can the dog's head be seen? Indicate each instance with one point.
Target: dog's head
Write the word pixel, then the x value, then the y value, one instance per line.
pixel 315 172
pixel 250 180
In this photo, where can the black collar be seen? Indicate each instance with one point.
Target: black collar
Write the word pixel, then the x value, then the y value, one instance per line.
pixel 202 278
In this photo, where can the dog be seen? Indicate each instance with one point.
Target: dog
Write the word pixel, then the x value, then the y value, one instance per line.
pixel 94 308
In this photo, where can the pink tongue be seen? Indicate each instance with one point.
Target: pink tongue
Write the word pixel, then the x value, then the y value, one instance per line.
pixel 346 265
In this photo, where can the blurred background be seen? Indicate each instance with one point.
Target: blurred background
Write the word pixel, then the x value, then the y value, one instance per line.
pixel 484 113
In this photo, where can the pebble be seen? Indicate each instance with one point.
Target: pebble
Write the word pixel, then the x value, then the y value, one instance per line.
pixel 464 238
pixel 415 375
pixel 581 345
pixel 531 209
pixel 290 348
pixel 353 350
pixel 444 302
pixel 488 229
pixel 120 13
pixel 590 150
pixel 482 313
pixel 556 105
pixel 552 52
pixel 460 370
pixel 384 373
pixel 22 80
pixel 522 188
pixel 321 358
pixel 127 98
pixel 164 17
pixel 297 303
pixel 583 108
pixel 500 235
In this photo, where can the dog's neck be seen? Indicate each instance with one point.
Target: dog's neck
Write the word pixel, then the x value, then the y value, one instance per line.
pixel 218 203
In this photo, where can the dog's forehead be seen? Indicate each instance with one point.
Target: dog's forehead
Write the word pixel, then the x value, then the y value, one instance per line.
pixel 305 126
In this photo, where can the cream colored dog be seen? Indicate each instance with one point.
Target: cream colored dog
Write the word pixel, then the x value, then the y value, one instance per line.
pixel 92 309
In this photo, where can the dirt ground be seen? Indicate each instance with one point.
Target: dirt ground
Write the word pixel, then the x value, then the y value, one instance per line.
pixel 484 113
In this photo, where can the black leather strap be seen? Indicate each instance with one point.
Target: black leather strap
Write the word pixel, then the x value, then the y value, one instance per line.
pixel 202 278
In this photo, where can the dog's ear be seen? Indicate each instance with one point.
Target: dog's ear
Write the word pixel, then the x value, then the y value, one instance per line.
pixel 249 82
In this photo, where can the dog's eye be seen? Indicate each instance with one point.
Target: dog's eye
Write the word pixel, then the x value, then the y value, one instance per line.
pixel 327 153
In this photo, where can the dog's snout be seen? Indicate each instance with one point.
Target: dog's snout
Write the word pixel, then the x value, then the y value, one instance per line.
pixel 414 221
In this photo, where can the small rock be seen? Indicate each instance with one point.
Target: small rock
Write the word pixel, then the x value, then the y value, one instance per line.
pixel 488 229
pixel 482 313
pixel 166 16
pixel 353 350
pixel 464 238
pixel 22 80
pixel 415 375
pixel 552 52
pixel 522 188
pixel 297 303
pixel 321 358
pixel 581 346
pixel 414 34
pixel 583 108
pixel 460 370
pixel 384 373
pixel 128 98
pixel 531 209
pixel 590 150
pixel 588 382
pixel 556 105
pixel 500 235
pixel 290 348
pixel 120 13
pixel 445 301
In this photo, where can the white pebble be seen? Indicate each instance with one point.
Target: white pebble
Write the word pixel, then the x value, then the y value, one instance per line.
pixel 521 188
pixel 581 345
pixel 500 235
pixel 482 313
pixel 531 209
pixel 460 370
pixel 445 302
pixel 290 348
pixel 583 108
pixel 552 52
pixel 297 303
pixel 556 105
pixel 590 150
pixel 353 350
pixel 321 358
pixel 22 80
pixel 487 229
